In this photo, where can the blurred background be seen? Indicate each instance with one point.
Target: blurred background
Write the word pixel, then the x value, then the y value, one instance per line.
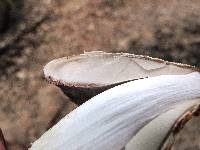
pixel 34 32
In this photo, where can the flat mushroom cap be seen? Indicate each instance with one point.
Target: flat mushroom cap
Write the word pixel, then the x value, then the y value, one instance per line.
pixel 84 76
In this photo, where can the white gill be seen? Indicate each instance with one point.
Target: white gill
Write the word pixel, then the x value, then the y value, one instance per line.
pixel 109 120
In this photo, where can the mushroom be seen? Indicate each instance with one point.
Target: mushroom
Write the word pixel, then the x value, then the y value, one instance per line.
pixel 129 98
pixel 84 76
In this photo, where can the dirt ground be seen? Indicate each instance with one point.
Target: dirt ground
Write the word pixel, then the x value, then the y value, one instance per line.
pixel 49 29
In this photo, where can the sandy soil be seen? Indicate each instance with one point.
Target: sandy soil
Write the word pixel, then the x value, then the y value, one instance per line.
pixel 55 28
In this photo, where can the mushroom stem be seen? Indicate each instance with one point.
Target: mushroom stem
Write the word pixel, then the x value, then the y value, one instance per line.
pixel 110 119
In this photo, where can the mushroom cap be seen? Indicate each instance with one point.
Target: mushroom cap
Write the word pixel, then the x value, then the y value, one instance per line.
pixel 84 76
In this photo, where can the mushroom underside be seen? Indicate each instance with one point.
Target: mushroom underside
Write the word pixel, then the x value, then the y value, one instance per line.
pixel 85 76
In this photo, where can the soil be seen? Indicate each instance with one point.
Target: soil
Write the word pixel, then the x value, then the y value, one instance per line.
pixel 49 29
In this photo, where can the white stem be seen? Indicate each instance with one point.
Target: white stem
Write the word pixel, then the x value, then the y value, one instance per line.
pixel 109 120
